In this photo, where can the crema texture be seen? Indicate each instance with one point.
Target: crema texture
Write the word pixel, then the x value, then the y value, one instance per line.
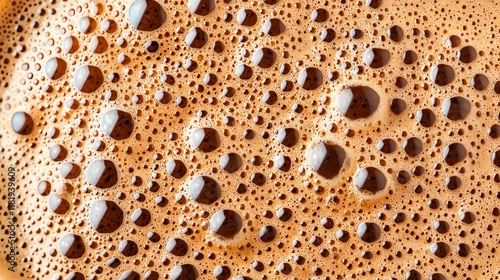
pixel 262 139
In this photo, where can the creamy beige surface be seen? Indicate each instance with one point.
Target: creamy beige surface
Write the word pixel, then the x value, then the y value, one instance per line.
pixel 33 32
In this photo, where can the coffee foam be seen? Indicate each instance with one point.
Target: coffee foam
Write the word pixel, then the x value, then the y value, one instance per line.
pixel 205 74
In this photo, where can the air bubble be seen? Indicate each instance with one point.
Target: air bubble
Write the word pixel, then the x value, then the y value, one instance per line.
pixel 442 74
pixel 146 15
pixel 88 78
pixel 370 180
pixel 55 68
pixel 72 246
pixel 358 102
pixel 327 159
pixel 225 223
pixel 376 58
pixel 22 123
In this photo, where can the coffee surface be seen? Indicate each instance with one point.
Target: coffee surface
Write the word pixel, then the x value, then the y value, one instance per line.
pixel 266 139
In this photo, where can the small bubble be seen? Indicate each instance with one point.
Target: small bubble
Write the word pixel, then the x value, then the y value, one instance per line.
pixel 368 232
pixel 327 35
pixel 496 87
pixel 201 7
pixel 69 170
pixel 244 72
pixel 467 217
pixel 413 275
pixel 151 275
pixel 454 153
pixel 58 152
pixel 494 131
pixel 44 188
pixel 130 275
pixel 399 218
pixel 463 250
pixel 218 46
pixel 196 38
pixel 319 15
pixel 98 44
pixel 285 268
pixel 409 57
pixel 441 226
pixel 210 79
pixel 184 272
pixel 176 169
pixel 376 57
pixel 356 33
pixel 273 27
pixel 152 46
pixel 437 276
pixel 403 177
pixel 327 159
pixel 310 78
pixel 395 33
pixel 264 57
pixel 454 41
pixel 246 17
pixel 270 97
pixel 358 102
pixel 386 146
pixel 370 180
pixel 267 233
pixel 118 124
pixel 204 190
pixel 87 25
pixel 177 247
pixel 70 44
pixel 231 162
pixel 72 246
pixel 22 123
pixel 442 74
pixel 400 82
pixel 105 216
pixel 146 15
pixel 225 223
pixel 456 108
pixel 88 78
pixel 58 204
pixel 76 276
pixel 163 97
pixel 288 137
pixel 412 146
pixel 440 249
pixel 467 54
pixel 128 248
pixel 375 4
pixel 141 217
pixel 397 106
pixel 453 182
pixel 102 173
pixel 283 163
pixel 205 139
pixel 109 26
pixel 426 117
pixel 480 82
pixel 222 272
pixel 284 214
pixel 496 158
pixel 55 68
pixel 258 178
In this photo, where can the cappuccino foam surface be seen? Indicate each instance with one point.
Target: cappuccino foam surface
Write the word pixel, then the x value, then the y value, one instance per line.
pixel 265 139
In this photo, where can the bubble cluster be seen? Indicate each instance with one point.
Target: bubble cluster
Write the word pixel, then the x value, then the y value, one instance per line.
pixel 264 139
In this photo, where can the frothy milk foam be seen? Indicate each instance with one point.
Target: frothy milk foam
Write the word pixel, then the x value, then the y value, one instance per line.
pixel 266 139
